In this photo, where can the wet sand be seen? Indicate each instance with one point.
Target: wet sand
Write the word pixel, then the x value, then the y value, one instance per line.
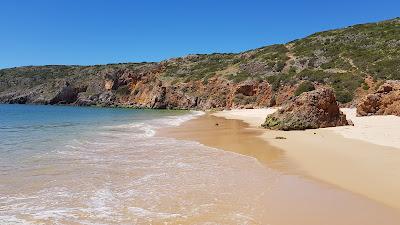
pixel 293 197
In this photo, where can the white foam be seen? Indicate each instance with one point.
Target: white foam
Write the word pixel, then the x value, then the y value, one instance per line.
pixel 178 120
pixel 144 213
pixel 100 202
pixel 12 220
pixel 149 127
pixel 54 214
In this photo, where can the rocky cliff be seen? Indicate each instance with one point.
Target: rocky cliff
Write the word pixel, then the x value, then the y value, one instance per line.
pixel 350 60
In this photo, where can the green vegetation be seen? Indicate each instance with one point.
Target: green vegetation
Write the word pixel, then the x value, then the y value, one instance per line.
pixel 243 99
pixel 365 86
pixel 305 86
pixel 340 58
pixel 277 81
pixel 344 84
pixel 198 67
pixel 337 63
pixel 373 48
pixel 271 122
pixel 273 56
pixel 241 76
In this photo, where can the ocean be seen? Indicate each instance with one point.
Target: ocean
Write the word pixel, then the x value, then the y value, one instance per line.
pixel 67 165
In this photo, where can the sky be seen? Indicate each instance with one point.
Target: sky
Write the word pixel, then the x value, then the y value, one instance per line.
pixel 86 32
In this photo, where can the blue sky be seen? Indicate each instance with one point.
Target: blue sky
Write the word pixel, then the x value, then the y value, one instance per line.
pixel 43 32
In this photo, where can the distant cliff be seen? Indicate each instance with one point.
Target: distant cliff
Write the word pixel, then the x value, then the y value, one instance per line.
pixel 353 61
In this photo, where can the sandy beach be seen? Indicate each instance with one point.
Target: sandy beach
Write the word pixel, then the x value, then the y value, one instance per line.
pixel 287 187
pixel 364 158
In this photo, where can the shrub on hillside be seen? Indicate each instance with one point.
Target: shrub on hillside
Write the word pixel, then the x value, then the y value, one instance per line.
pixel 306 86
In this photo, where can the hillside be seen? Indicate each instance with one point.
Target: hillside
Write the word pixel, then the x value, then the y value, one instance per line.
pixel 352 60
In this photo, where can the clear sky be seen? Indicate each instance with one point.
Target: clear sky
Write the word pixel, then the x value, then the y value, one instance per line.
pixel 42 32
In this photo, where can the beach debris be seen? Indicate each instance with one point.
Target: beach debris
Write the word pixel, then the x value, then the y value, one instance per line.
pixel 279 137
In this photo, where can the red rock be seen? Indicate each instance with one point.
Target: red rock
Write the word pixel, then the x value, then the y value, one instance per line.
pixel 314 109
pixel 385 101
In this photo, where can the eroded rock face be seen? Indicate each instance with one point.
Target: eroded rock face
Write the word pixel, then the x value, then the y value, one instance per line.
pixel 310 110
pixel 67 94
pixel 247 89
pixel 385 101
pixel 145 86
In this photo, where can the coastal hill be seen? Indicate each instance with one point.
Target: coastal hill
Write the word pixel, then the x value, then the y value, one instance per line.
pixel 354 61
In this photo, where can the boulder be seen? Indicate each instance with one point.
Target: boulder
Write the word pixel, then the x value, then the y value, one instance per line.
pixel 106 98
pixel 310 110
pixel 385 101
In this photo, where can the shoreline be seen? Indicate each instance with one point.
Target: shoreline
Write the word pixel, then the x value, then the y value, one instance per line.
pixel 341 155
pixel 230 134
pixel 310 200
pixel 308 197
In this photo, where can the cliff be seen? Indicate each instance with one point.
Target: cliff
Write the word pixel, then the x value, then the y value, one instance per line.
pixel 351 61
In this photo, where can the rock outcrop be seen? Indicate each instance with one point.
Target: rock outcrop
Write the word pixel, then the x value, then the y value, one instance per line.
pixel 385 101
pixel 67 94
pixel 310 110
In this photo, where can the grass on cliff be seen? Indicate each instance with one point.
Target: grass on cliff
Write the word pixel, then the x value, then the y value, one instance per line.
pixel 305 86
pixel 339 58
pixel 344 84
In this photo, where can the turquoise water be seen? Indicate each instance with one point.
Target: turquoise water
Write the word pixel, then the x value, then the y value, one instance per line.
pixel 60 164
pixel 28 130
pixel 76 165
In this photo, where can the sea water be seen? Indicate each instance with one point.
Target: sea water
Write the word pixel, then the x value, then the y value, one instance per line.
pixel 87 165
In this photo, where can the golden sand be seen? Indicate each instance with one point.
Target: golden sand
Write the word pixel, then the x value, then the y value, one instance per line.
pixel 294 197
pixel 361 158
